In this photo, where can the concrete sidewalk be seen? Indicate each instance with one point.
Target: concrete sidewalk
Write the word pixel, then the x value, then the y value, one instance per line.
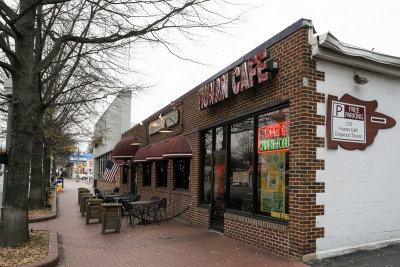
pixel 167 244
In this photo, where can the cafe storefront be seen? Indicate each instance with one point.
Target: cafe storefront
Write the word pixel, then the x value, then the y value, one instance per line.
pixel 243 149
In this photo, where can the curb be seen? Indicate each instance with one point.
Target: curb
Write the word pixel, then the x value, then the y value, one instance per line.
pixel 52 257
pixel 53 212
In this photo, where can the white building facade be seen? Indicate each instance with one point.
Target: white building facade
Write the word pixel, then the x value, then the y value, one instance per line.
pixel 115 120
pixel 361 199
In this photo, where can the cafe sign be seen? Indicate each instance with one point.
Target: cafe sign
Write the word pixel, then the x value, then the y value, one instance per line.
pixel 353 123
pixel 257 69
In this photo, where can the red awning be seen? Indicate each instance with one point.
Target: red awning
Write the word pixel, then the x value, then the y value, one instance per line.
pixel 155 152
pixel 178 147
pixel 141 154
pixel 124 148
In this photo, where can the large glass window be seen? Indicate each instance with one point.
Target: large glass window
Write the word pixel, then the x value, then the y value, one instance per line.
pixel 102 165
pixel 273 164
pixel 257 166
pixel 207 167
pixel 182 173
pixel 147 174
pixel 241 165
pixel 162 173
pixel 220 139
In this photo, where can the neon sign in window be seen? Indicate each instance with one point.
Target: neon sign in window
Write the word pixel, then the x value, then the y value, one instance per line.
pixel 274 137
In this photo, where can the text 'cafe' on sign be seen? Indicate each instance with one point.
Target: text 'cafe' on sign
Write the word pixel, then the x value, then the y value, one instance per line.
pixel 249 73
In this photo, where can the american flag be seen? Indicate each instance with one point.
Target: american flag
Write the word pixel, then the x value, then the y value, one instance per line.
pixel 110 171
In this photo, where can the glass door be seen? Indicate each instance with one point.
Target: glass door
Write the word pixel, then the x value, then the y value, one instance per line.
pixel 219 191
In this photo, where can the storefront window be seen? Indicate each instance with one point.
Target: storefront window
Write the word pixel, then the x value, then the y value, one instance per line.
pixel 182 173
pixel 102 165
pixel 124 174
pixel 147 174
pixel 241 166
pixel 246 164
pixel 273 164
pixel 207 160
pixel 162 173
pixel 220 139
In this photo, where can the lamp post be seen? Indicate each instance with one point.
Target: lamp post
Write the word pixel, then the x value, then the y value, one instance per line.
pixel 8 88
pixel 77 165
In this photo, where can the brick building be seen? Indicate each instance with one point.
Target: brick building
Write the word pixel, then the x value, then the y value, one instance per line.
pixel 261 151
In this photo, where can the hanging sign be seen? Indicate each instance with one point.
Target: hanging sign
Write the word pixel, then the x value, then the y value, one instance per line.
pixel 353 123
pixel 168 120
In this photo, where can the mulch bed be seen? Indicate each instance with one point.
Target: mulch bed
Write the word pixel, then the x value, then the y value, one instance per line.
pixel 35 250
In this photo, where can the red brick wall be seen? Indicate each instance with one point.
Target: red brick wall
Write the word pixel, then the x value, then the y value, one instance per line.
pixel 259 233
pixel 298 237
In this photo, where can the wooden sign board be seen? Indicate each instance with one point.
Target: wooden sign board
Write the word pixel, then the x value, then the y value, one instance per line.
pixel 353 123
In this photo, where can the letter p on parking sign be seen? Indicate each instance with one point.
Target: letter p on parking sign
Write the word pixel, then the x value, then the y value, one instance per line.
pixel 338 110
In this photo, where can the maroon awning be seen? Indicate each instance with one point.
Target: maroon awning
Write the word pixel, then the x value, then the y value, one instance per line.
pixel 141 155
pixel 124 148
pixel 155 152
pixel 178 147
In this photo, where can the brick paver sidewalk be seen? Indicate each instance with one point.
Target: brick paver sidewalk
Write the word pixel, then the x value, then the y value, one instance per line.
pixel 167 244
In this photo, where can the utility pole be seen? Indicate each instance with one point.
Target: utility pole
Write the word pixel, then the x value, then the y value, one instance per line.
pixel 77 166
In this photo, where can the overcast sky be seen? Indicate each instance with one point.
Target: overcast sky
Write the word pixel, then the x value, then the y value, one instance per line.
pixel 363 23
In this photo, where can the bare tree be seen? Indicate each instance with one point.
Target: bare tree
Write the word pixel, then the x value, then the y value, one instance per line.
pixel 71 29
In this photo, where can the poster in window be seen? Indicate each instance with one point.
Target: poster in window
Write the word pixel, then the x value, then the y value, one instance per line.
pixel 219 177
pixel 273 183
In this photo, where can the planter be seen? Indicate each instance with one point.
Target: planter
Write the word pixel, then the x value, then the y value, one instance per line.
pixel 84 197
pixel 81 191
pixel 93 209
pixel 111 217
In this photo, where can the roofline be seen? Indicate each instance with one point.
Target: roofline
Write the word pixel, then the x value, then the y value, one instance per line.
pixel 301 23
pixel 329 48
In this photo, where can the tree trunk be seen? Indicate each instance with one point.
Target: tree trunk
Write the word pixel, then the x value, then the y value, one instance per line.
pixel 37 188
pixel 14 226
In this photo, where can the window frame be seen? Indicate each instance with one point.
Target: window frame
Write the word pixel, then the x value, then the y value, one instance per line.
pixel 164 180
pixel 186 175
pixel 146 180
pixel 227 123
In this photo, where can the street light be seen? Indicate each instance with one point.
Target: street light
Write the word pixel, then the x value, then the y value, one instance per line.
pixel 77 164
pixel 8 89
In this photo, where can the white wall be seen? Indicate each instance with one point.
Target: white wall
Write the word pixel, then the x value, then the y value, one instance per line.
pixel 362 188
pixel 115 120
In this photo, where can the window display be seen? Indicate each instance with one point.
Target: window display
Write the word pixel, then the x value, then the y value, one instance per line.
pixel 273 160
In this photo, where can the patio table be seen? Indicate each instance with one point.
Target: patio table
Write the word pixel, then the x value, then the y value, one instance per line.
pixel 142 209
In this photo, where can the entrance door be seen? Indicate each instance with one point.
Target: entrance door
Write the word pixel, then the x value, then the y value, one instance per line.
pixel 218 200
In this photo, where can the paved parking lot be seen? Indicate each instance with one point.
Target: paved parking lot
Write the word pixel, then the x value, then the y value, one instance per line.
pixel 167 244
